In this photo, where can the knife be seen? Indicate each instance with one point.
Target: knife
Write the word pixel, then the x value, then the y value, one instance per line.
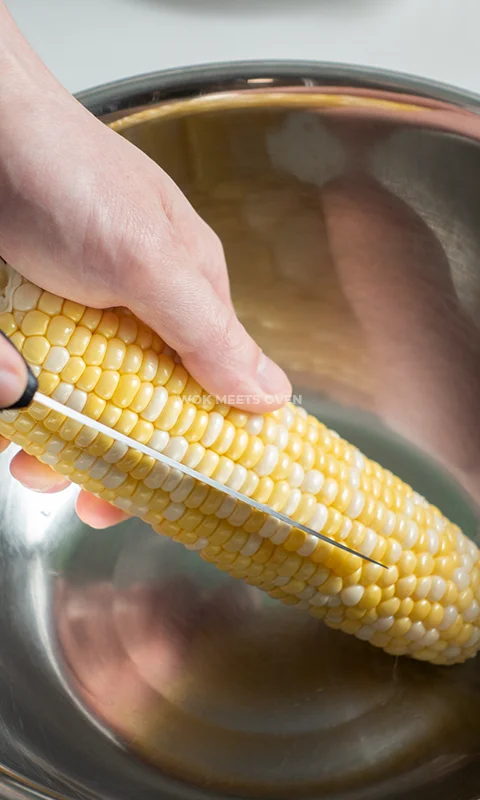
pixel 82 419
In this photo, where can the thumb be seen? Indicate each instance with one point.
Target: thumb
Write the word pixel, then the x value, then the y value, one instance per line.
pixel 17 383
pixel 191 317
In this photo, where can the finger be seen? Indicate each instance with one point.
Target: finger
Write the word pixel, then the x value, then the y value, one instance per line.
pixel 97 513
pixel 17 383
pixel 214 346
pixel 3 444
pixel 212 264
pixel 36 476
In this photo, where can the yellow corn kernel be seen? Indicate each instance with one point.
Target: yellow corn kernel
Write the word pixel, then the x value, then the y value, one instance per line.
pixel 263 491
pixel 50 304
pixel 128 329
pixel 96 350
pixel 144 337
pixel 142 432
pixel 18 340
pixel 79 341
pixel 89 379
pixel 107 384
pixel 268 434
pixel 165 367
pixel 132 360
pixel 238 446
pixel 170 413
pixel 73 370
pixel 198 426
pixel 185 420
pixel 130 460
pixel 108 324
pixel 177 381
pixel 35 349
pixel 48 382
pixel 252 453
pixel 74 311
pixel 225 439
pixel 142 398
pixel 60 330
pixel 8 326
pixel 126 390
pixel 126 422
pixel 371 598
pixel 35 323
pixel 110 415
pixel 94 407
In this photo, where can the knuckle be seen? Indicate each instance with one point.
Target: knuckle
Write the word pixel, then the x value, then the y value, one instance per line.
pixel 230 341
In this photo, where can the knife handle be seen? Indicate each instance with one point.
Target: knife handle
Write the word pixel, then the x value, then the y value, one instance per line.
pixel 32 383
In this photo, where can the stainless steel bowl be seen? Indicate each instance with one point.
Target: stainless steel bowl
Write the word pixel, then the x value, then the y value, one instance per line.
pixel 348 203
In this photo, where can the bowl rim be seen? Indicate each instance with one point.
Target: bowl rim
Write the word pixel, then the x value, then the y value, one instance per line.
pixel 156 87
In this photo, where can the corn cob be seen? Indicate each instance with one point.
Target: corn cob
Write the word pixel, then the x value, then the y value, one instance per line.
pixel 111 367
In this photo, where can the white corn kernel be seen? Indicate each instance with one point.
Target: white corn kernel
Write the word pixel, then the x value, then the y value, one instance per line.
pixel 292 503
pixel 157 476
pixel 449 617
pixel 159 440
pixel 254 425
pixel 156 404
pixel 174 511
pixel 172 480
pixel 357 504
pixel 114 478
pixel 226 508
pixel 309 546
pixel 176 448
pixel 115 453
pixel 319 600
pixel 319 518
pixel 281 439
pixel 268 461
pixel 240 515
pixel 433 541
pixel 214 429
pixel 390 523
pixel 252 545
pixel 439 587
pixel 369 543
pixel 77 400
pixel 183 489
pixel 237 478
pixel 57 359
pixel 461 578
pixel 352 595
pixel 312 482
pixel 472 613
pixel 281 534
pixel 63 392
pixel 296 476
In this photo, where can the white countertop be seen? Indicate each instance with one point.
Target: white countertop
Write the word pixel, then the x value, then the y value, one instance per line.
pixel 87 42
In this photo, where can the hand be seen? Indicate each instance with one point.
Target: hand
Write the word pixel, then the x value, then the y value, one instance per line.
pixel 88 216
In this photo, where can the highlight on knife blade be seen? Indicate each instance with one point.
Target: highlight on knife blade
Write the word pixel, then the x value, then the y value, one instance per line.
pixel 82 419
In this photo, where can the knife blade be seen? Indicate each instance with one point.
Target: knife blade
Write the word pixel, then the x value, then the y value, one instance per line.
pixel 83 419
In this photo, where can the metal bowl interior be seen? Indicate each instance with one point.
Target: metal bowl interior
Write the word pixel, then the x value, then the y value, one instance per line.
pixel 129 667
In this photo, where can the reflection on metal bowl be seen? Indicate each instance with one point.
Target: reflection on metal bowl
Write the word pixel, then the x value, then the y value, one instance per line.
pixel 348 207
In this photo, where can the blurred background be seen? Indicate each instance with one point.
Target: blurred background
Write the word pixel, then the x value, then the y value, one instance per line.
pixel 88 42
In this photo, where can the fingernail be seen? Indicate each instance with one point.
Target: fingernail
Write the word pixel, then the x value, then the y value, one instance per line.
pixel 18 384
pixel 272 379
